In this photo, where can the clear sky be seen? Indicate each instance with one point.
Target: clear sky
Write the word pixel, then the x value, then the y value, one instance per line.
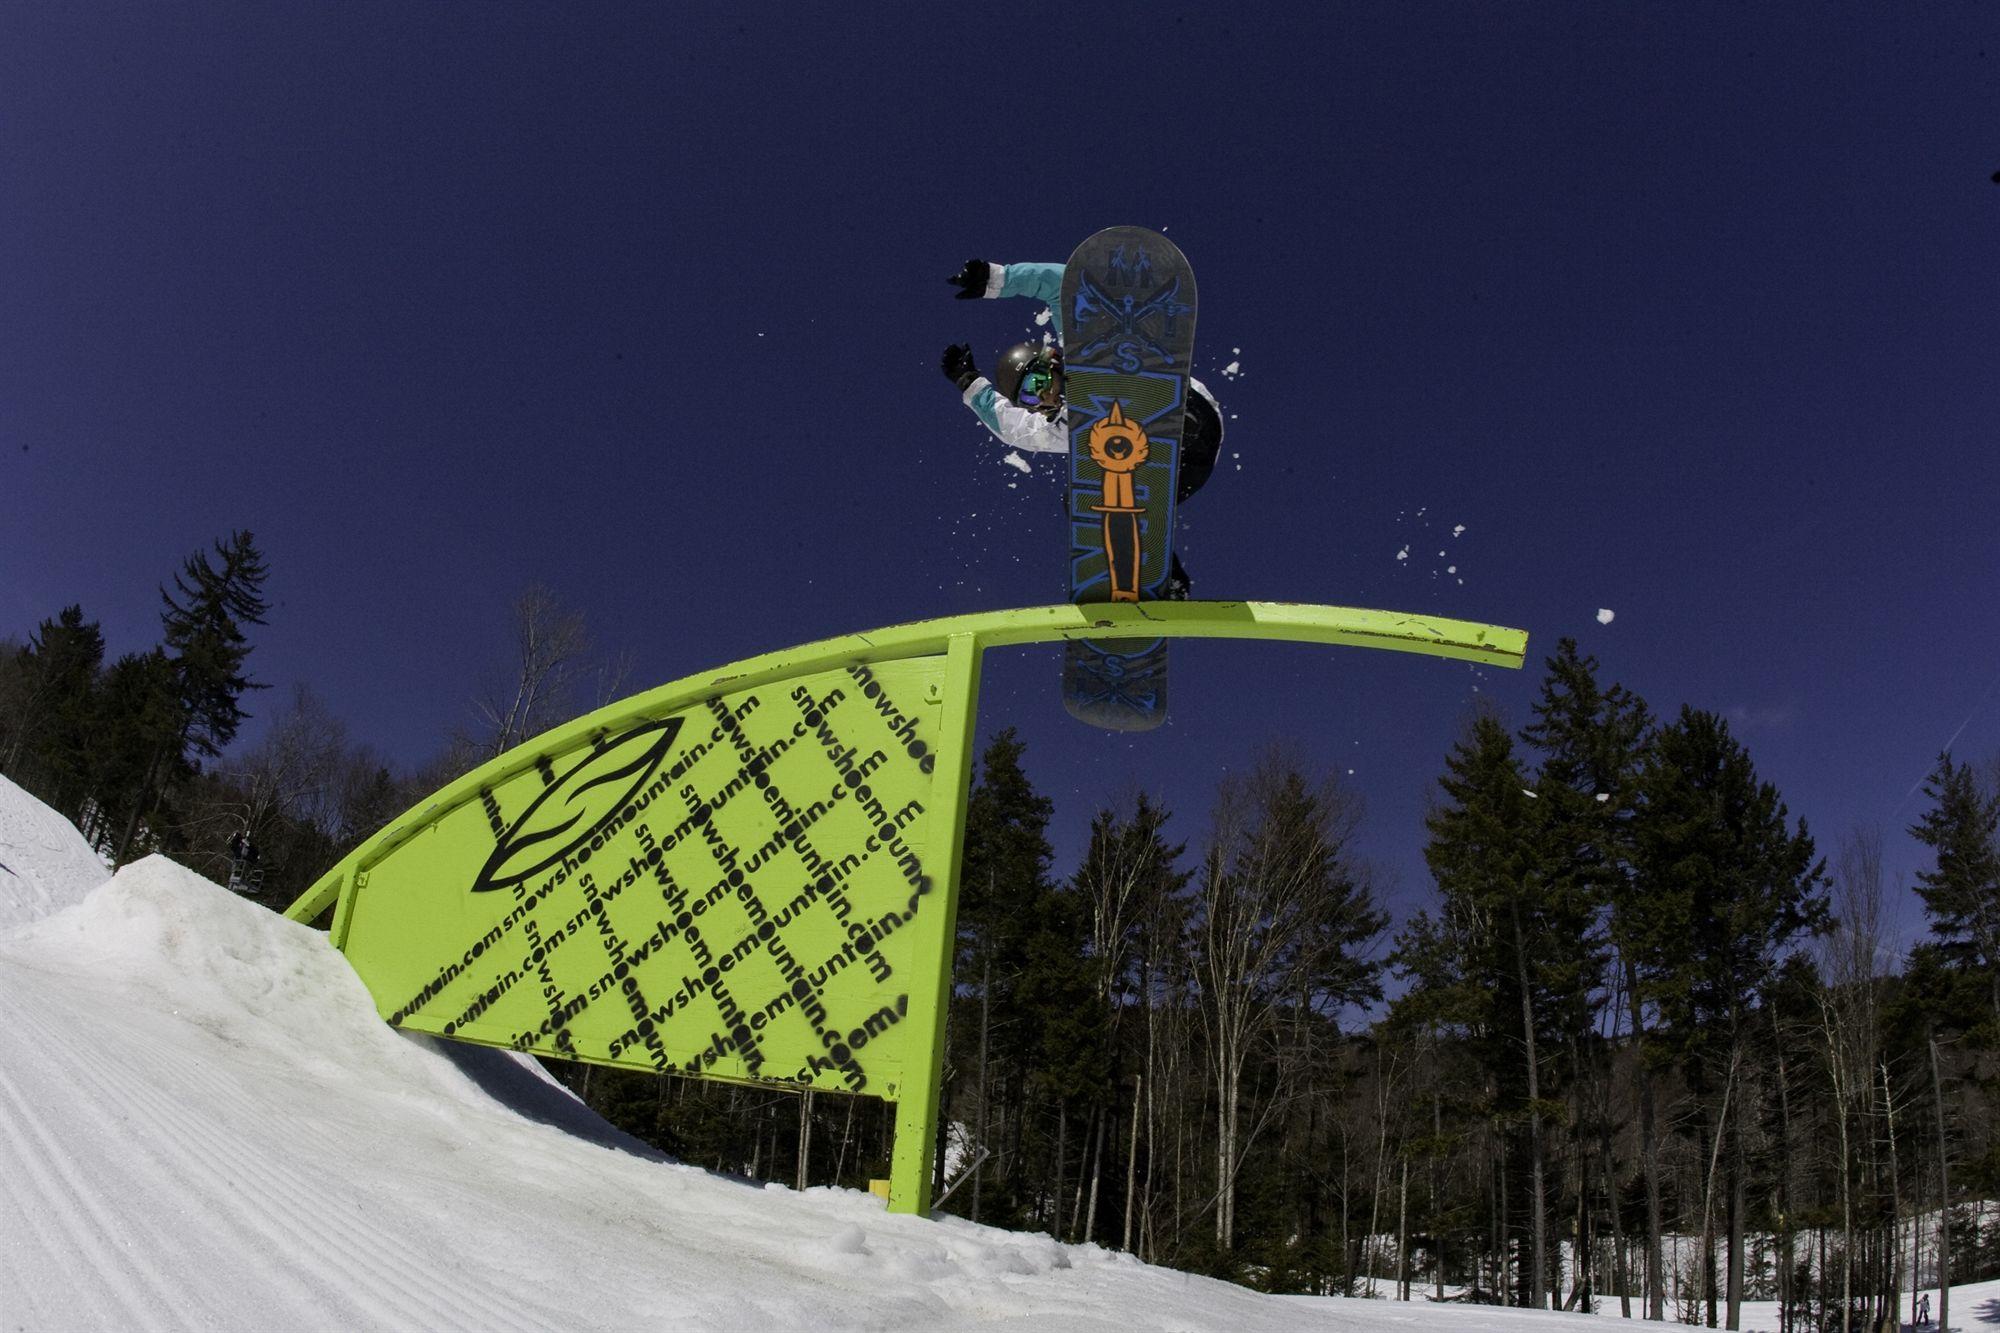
pixel 1687 312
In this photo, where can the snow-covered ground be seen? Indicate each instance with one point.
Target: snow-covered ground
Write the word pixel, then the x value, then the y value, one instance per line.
pixel 45 865
pixel 204 1124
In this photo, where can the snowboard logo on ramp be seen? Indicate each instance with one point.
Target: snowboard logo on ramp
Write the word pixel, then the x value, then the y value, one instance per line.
pixel 584 804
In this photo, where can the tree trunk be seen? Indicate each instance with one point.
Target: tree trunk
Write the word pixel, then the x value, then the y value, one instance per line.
pixel 1062 1151
pixel 1147 1083
pixel 1346 1240
pixel 846 1136
pixel 1537 1236
pixel 1944 1193
pixel 805 1137
pixel 985 1102
pixel 143 801
pixel 1737 1172
pixel 1785 1263
pixel 1649 1154
pixel 1580 1247
pixel 1620 1274
pixel 1711 1143
pixel 1403 1235
pixel 1437 1232
pixel 1225 1150
pixel 1503 1235
pixel 1846 1207
pixel 1378 1181
pixel 1096 1175
pixel 1708 1192
pixel 1132 1161
pixel 1892 1251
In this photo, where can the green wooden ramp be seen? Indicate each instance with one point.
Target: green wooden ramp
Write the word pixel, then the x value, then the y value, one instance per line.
pixel 748 874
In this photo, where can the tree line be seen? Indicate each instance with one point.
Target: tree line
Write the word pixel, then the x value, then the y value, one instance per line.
pixel 1648 1048
pixel 141 752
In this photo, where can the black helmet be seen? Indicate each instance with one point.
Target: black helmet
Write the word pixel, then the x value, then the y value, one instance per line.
pixel 1016 364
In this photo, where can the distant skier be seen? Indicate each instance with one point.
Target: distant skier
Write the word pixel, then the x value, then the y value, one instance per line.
pixel 1023 403
pixel 1924 1309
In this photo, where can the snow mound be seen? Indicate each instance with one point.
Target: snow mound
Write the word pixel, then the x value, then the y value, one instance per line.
pixel 247 977
pixel 45 864
pixel 190 1084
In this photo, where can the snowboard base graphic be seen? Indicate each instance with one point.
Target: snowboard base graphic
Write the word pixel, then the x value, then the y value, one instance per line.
pixel 1128 311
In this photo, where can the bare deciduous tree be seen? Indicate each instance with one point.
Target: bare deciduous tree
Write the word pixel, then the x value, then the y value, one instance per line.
pixel 552 644
pixel 1849 1020
pixel 1281 916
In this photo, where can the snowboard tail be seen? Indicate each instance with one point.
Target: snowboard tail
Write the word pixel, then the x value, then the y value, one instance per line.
pixel 1116 685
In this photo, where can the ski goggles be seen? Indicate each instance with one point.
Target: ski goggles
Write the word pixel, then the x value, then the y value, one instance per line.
pixel 1035 386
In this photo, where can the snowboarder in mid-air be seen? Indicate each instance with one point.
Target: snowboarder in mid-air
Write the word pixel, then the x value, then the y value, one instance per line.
pixel 1022 404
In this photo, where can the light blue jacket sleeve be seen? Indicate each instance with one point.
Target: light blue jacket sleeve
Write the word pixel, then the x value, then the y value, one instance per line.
pixel 1038 282
pixel 1012 424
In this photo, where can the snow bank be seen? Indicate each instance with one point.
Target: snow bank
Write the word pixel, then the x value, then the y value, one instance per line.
pixel 45 865
pixel 203 1122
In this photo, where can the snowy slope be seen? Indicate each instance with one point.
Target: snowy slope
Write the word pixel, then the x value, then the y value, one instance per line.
pixel 45 865
pixel 204 1124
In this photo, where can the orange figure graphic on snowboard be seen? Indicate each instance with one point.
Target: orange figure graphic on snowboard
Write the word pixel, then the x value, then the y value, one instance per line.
pixel 1119 446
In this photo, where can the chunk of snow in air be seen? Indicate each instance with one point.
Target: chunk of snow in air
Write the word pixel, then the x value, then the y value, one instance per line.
pixel 1018 463
pixel 1605 615
pixel 1403 554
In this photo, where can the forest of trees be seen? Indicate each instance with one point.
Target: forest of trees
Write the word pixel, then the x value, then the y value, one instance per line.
pixel 1648 1049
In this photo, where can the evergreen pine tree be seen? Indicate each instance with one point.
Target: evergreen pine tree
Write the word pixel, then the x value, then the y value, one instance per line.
pixel 1725 885
pixel 1024 985
pixel 135 745
pixel 1592 740
pixel 47 747
pixel 1961 891
pixel 1488 851
pixel 1724 888
pixel 204 632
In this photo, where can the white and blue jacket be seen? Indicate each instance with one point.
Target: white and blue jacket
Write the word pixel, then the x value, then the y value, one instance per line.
pixel 1015 426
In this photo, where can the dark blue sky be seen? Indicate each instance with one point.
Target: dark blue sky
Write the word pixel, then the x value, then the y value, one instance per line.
pixel 1682 311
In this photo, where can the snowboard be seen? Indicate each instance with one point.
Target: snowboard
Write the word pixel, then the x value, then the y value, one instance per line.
pixel 1127 318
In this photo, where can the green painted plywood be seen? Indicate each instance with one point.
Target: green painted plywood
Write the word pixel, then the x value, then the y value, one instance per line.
pixel 750 873
pixel 727 889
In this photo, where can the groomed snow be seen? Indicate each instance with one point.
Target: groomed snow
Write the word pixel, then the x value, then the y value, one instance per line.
pixel 203 1123
pixel 45 865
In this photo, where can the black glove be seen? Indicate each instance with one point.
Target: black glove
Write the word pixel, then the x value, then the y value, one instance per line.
pixel 971 280
pixel 957 365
